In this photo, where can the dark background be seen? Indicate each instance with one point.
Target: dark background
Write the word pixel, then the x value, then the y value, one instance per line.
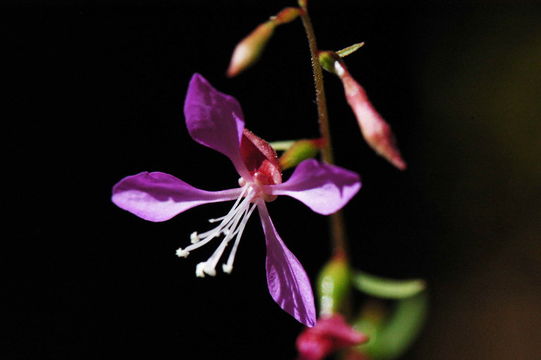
pixel 94 92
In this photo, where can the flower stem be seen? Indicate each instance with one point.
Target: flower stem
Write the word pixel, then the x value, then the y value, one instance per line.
pixel 323 117
pixel 338 235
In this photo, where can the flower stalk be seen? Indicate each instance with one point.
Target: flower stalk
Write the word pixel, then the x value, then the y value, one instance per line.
pixel 338 235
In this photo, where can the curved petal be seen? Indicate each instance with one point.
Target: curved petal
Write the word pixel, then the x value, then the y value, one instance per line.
pixel 215 120
pixel 288 283
pixel 322 187
pixel 157 196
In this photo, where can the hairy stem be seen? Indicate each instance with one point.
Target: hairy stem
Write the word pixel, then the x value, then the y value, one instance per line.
pixel 323 118
pixel 338 235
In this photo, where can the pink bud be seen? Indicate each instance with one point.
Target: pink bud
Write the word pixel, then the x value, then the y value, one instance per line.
pixel 287 15
pixel 328 335
pixel 249 49
pixel 375 130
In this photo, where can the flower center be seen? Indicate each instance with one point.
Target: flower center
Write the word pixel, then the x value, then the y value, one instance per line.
pixel 262 164
pixel 260 159
pixel 231 226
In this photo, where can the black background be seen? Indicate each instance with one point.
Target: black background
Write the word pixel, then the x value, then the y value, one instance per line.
pixel 94 92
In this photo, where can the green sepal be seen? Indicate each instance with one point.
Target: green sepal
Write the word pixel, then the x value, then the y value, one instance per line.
pixel 327 59
pixel 349 50
pixel 386 288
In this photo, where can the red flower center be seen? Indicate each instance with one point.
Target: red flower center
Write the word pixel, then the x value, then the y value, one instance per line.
pixel 261 161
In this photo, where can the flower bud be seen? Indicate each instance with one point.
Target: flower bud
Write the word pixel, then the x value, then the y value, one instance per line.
pixel 328 335
pixel 375 130
pixel 333 285
pixel 299 151
pixel 303 3
pixel 286 15
pixel 249 49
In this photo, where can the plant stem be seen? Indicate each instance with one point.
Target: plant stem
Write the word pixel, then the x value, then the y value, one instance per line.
pixel 338 235
pixel 323 117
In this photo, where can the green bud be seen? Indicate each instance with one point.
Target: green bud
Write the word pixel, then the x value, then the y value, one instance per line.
pixel 333 285
pixel 327 59
pixel 300 150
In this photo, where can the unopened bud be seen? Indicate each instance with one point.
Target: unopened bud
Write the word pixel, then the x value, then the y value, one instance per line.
pixel 286 15
pixel 333 285
pixel 376 131
pixel 299 151
pixel 249 49
pixel 329 335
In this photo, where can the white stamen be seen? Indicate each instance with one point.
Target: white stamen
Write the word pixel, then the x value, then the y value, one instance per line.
pixel 231 225
pixel 239 231
pixel 211 263
pixel 211 234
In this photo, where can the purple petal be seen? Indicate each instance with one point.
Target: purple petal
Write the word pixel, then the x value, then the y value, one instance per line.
pixel 322 187
pixel 215 120
pixel 288 283
pixel 157 196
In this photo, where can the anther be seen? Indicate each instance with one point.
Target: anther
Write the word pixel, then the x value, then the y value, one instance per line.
pixel 194 238
pixel 209 270
pixel 227 268
pixel 199 270
pixel 182 253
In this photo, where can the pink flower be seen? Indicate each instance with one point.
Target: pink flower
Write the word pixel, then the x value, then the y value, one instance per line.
pixel 215 120
pixel 330 334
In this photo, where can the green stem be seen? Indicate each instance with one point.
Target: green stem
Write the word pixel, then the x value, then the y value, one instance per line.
pixel 338 235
